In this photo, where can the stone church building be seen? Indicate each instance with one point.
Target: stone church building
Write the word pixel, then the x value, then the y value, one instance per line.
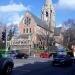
pixel 34 31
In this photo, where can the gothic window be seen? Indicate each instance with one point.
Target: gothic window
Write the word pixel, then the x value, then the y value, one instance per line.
pixel 30 30
pixel 27 21
pixel 26 30
pixel 51 11
pixel 21 42
pixel 46 14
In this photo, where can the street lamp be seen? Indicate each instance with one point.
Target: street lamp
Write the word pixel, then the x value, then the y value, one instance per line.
pixel 6 40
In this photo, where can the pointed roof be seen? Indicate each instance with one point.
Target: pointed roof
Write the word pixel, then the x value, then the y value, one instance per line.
pixel 39 22
pixel 48 2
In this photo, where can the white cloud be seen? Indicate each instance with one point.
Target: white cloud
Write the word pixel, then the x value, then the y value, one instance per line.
pixel 12 13
pixel 14 19
pixel 14 8
pixel 59 25
pixel 66 4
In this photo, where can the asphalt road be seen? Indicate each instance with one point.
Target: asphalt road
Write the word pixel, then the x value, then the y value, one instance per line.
pixel 39 66
pixel 30 60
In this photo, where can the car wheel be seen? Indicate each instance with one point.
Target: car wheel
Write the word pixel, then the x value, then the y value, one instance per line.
pixel 7 70
pixel 25 57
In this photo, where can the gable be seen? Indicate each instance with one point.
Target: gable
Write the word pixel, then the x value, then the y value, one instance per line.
pixel 37 20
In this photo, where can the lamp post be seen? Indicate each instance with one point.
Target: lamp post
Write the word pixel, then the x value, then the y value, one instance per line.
pixel 6 40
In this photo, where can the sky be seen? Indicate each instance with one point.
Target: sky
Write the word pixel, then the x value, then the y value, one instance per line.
pixel 12 11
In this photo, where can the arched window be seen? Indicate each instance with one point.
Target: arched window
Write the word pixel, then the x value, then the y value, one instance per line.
pixel 27 20
pixel 46 14
pixel 24 30
pixel 30 30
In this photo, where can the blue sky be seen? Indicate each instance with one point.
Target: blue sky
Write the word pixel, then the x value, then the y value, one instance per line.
pixel 12 11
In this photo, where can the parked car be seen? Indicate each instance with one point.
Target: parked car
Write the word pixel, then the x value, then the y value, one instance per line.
pixel 22 55
pixel 12 53
pixel 62 60
pixel 6 65
pixel 18 54
pixel 44 55
pixel 73 58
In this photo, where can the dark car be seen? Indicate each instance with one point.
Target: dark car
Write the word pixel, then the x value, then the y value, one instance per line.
pixel 73 58
pixel 6 65
pixel 13 53
pixel 62 60
pixel 22 55
pixel 18 54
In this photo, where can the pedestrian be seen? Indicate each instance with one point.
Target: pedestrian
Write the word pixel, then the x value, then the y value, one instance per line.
pixel 34 55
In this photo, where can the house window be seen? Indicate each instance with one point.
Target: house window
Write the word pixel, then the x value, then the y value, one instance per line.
pixel 27 21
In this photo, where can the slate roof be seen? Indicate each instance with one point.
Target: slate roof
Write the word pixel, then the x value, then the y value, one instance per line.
pixel 39 22
pixel 57 31
pixel 23 36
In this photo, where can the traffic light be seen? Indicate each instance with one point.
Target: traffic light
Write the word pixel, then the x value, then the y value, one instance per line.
pixel 3 36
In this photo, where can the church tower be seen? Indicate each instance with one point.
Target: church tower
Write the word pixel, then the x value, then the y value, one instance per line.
pixel 48 15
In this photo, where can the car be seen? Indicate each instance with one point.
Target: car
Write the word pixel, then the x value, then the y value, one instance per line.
pixel 17 54
pixel 62 60
pixel 22 55
pixel 13 53
pixel 6 65
pixel 73 58
pixel 44 55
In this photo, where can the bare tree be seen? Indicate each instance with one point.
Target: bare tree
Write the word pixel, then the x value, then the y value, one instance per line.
pixel 69 35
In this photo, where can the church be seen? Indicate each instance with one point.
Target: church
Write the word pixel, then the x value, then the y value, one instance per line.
pixel 34 31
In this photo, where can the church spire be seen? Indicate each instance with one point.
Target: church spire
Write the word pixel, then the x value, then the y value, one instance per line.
pixel 48 2
pixel 48 14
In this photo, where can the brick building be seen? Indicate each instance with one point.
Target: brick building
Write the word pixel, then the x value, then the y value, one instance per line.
pixel 34 31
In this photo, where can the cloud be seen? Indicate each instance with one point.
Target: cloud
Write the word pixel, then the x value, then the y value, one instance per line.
pixel 12 13
pixel 14 19
pixel 14 8
pixel 66 4
pixel 59 25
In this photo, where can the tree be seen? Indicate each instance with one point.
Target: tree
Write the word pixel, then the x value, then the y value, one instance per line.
pixel 2 45
pixel 10 34
pixel 69 34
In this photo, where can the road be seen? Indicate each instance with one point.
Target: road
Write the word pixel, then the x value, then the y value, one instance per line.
pixel 40 66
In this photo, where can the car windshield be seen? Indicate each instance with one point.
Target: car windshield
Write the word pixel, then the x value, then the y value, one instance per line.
pixel 60 56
